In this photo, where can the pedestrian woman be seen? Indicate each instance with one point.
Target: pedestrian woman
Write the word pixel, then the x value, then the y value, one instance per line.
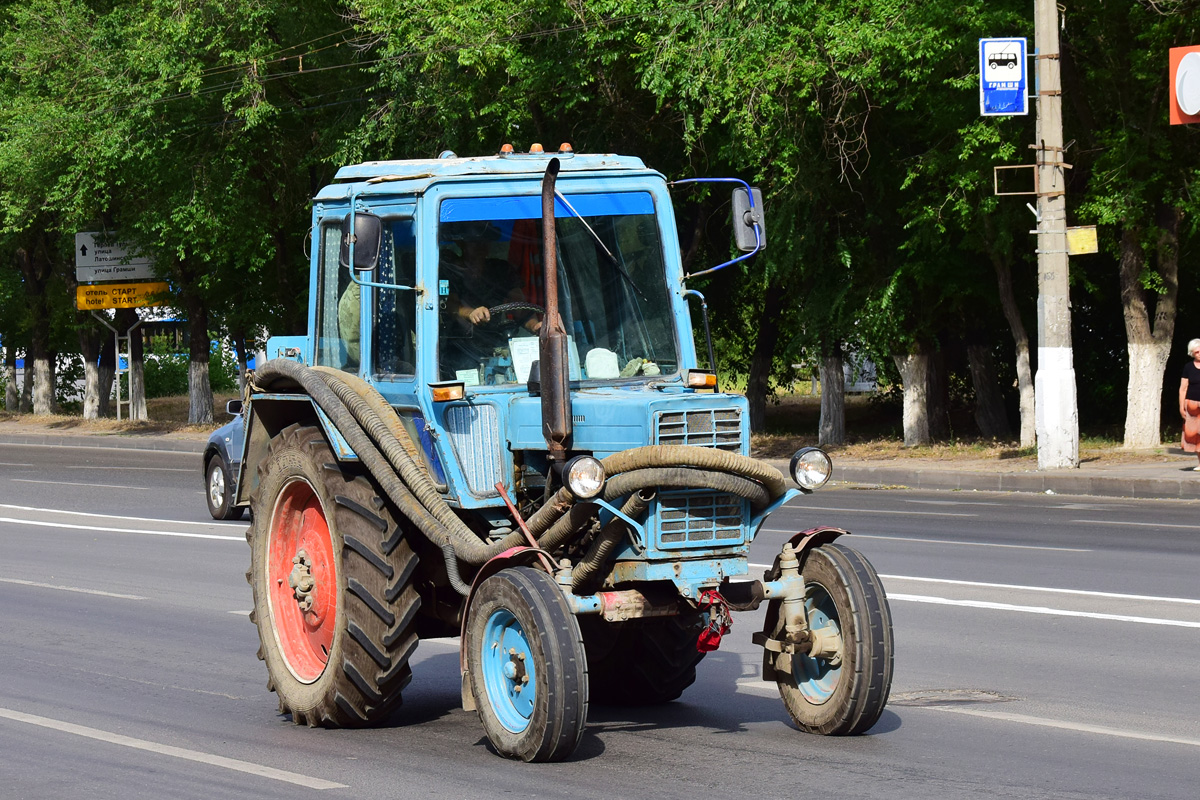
pixel 1189 400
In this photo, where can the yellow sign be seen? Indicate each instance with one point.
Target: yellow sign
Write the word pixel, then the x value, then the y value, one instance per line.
pixel 1082 240
pixel 118 295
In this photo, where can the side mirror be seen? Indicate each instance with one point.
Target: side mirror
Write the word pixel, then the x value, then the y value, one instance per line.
pixel 367 237
pixel 233 407
pixel 746 219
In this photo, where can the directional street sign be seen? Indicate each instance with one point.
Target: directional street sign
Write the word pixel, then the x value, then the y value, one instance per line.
pixel 98 258
pixel 117 295
pixel 1003 77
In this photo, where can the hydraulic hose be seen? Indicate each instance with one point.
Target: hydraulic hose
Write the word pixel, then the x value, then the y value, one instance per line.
pixel 378 437
pixel 602 548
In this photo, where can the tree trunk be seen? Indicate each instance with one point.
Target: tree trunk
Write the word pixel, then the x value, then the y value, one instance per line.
pixel 35 270
pixel 106 371
pixel 1148 333
pixel 989 400
pixel 1025 388
pixel 26 403
pixel 200 397
pixel 914 374
pixel 938 397
pixel 89 348
pixel 833 399
pixel 12 392
pixel 758 384
pixel 239 348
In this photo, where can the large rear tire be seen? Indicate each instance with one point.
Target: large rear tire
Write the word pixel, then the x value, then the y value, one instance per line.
pixel 641 662
pixel 830 696
pixel 334 599
pixel 527 666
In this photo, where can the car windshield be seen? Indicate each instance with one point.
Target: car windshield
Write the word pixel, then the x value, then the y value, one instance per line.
pixel 612 288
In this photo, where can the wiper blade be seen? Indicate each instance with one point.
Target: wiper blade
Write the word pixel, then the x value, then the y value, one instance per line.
pixel 611 258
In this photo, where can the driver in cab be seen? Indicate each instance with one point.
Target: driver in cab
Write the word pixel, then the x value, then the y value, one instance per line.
pixel 477 283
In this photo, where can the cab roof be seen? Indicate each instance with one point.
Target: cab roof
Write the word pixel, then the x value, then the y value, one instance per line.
pixel 418 174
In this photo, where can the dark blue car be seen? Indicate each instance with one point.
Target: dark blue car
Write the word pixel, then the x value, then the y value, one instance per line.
pixel 222 459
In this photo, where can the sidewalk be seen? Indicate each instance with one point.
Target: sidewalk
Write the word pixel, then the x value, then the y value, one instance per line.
pixel 1148 476
pixel 1155 477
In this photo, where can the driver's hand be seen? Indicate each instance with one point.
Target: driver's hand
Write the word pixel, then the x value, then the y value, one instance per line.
pixel 480 315
pixel 534 325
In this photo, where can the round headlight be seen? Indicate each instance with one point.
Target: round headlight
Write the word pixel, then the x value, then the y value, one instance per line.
pixel 811 468
pixel 584 477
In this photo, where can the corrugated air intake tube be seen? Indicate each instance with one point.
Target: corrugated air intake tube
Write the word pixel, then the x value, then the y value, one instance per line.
pixel 374 430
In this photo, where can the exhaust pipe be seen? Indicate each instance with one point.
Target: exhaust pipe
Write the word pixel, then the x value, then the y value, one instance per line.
pixel 552 339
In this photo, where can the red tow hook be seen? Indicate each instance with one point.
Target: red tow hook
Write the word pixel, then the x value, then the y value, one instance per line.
pixel 718 621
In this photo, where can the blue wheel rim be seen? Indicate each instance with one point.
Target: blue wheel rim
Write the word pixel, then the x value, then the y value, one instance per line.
pixel 508 672
pixel 815 677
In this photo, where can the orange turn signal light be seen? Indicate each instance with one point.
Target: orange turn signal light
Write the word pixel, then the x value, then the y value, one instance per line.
pixel 536 148
pixel 565 147
pixel 444 392
pixel 506 148
pixel 701 379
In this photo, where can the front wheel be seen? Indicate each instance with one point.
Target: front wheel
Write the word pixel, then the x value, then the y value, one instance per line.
pixel 218 486
pixel 527 666
pixel 843 692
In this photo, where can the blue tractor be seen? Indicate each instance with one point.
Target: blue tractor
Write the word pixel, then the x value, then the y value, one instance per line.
pixel 497 429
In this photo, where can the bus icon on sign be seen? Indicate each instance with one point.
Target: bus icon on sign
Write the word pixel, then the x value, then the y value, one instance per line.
pixel 1006 59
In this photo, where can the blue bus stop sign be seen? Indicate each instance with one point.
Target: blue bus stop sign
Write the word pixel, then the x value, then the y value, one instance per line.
pixel 1003 77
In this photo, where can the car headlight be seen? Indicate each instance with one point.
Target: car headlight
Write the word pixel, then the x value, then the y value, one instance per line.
pixel 584 477
pixel 811 468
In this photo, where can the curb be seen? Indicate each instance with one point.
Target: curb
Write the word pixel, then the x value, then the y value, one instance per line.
pixel 108 441
pixel 1097 485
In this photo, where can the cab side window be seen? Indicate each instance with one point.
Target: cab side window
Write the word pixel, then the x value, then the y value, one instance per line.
pixel 394 312
pixel 339 307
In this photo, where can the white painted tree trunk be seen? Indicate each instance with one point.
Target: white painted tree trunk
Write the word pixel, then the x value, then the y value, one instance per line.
pixel 200 398
pixel 12 392
pixel 137 390
pixel 43 387
pixel 26 401
pixel 914 374
pixel 833 401
pixel 1143 398
pixel 91 389
pixel 1027 396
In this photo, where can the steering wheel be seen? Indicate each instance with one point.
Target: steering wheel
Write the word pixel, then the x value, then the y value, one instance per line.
pixel 499 314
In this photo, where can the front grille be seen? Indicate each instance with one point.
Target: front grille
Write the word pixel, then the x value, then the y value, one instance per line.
pixel 475 435
pixel 691 519
pixel 719 427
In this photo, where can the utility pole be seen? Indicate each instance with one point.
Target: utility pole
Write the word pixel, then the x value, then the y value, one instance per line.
pixel 1054 383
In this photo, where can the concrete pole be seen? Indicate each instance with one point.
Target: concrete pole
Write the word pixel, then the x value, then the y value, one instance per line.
pixel 1054 383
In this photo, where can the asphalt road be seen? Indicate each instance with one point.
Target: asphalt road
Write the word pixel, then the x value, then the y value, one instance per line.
pixel 1046 648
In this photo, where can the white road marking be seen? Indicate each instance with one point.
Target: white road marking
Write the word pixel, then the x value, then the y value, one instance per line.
pixel 94 515
pixel 90 485
pixel 72 589
pixel 40 524
pixel 144 469
pixel 1079 727
pixel 951 502
pixel 1087 593
pixel 880 511
pixel 758 686
pixel 1054 612
pixel 1136 524
pixel 952 541
pixel 7 464
pixel 241 613
pixel 122 449
pixel 175 752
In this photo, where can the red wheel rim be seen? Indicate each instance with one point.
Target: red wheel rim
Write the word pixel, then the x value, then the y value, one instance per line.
pixel 303 578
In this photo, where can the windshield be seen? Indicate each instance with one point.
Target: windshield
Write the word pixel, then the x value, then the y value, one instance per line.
pixel 612 288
